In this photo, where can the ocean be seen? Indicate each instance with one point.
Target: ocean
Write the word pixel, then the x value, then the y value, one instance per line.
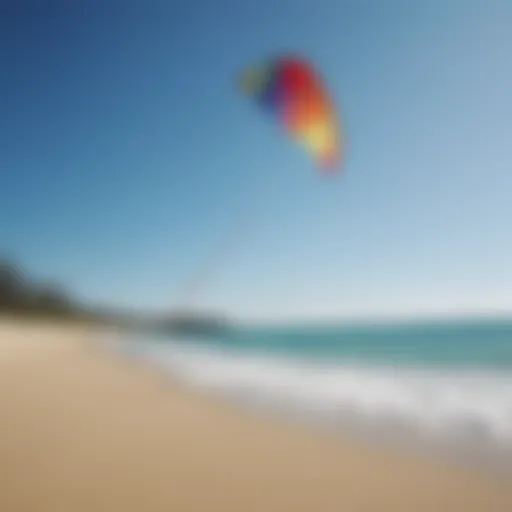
pixel 444 387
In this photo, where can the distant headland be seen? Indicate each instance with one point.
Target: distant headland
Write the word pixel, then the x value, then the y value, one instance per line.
pixel 23 295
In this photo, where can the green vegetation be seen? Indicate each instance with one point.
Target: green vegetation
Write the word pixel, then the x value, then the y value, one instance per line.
pixel 24 295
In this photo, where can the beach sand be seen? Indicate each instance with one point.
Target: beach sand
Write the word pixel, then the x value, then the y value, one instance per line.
pixel 85 430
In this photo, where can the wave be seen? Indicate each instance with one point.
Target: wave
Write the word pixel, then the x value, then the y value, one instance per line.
pixel 463 407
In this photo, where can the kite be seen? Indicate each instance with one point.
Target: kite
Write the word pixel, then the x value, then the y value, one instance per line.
pixel 291 89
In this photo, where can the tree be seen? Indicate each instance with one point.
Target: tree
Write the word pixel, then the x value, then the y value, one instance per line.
pixel 13 286
pixel 51 298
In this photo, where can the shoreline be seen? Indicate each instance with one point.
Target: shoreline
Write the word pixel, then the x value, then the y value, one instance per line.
pixel 85 428
pixel 469 447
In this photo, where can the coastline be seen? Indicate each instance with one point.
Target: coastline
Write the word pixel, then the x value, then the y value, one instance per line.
pixel 277 387
pixel 85 429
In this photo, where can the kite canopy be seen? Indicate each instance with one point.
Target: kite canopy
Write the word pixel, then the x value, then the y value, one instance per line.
pixel 290 88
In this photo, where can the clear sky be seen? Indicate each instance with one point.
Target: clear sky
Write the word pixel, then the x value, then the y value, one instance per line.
pixel 128 155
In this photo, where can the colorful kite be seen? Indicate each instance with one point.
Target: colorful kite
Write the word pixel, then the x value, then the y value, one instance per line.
pixel 290 88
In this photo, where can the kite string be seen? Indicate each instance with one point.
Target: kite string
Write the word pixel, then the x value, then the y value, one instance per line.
pixel 211 268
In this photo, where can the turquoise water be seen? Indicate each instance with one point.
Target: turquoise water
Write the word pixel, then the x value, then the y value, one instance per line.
pixel 451 383
pixel 484 344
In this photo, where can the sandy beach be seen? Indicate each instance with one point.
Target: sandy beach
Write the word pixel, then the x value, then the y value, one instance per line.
pixel 84 430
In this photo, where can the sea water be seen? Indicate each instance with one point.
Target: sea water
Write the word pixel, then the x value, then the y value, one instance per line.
pixel 445 386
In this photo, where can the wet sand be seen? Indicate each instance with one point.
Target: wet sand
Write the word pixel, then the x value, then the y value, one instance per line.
pixel 83 430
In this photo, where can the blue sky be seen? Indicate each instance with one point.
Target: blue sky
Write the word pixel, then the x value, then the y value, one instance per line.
pixel 129 156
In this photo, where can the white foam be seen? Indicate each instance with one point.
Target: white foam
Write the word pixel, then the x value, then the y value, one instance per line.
pixel 463 404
